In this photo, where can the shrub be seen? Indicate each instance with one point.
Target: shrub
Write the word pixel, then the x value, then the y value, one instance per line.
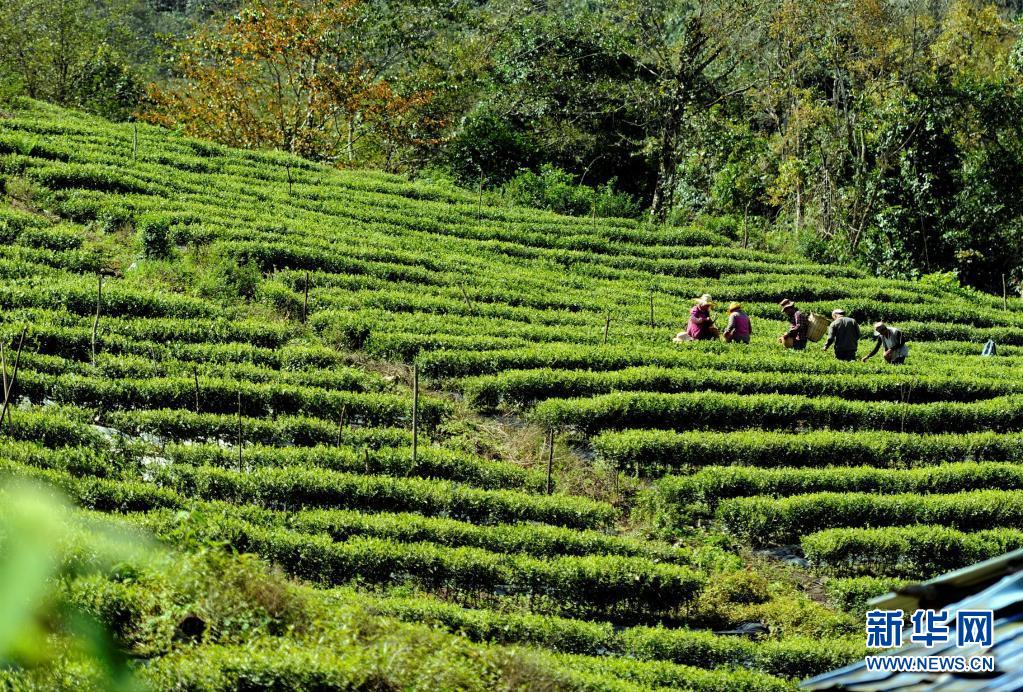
pixel 486 144
pixel 278 296
pixel 556 190
pixel 154 235
pixel 227 280
pixel 108 86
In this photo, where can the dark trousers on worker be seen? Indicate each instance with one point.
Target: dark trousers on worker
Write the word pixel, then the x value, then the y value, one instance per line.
pixel 845 355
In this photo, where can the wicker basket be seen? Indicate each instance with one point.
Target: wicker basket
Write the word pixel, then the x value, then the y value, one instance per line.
pixel 817 327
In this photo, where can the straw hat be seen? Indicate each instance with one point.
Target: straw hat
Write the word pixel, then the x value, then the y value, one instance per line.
pixel 734 306
pixel 838 311
pixel 785 304
pixel 705 299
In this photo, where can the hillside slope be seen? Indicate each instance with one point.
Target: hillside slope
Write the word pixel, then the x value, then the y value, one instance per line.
pixel 247 384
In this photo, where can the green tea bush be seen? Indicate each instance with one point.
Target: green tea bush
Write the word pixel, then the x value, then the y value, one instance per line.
pixel 295 488
pixel 913 552
pixel 711 485
pixel 654 450
pixel 431 462
pixel 579 583
pixel 154 236
pixel 851 594
pixel 762 520
pixel 785 412
pixel 226 280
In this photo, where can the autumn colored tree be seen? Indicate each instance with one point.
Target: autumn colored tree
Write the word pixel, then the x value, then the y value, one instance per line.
pixel 284 74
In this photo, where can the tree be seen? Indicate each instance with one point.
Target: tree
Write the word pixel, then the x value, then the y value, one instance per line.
pixel 61 50
pixel 108 86
pixel 42 42
pixel 690 54
pixel 285 74
pixel 554 87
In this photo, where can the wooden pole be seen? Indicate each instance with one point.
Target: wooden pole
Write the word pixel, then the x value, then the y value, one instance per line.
pixel 95 320
pixel 240 440
pixel 3 366
pixel 465 297
pixel 479 204
pixel 14 380
pixel 550 458
pixel 195 380
pixel 415 413
pixel 365 459
pixel 305 301
pixel 607 326
pixel 745 226
pixel 341 424
pixel 134 140
pixel 1005 294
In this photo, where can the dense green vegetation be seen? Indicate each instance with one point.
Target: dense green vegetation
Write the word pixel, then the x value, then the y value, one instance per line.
pixel 239 394
pixel 878 133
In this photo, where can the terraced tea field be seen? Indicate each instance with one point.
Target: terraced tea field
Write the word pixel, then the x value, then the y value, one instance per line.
pixel 243 382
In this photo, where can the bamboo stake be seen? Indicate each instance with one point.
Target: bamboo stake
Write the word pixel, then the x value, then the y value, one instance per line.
pixel 365 459
pixel 14 380
pixel 341 424
pixel 95 320
pixel 1005 294
pixel 607 326
pixel 240 440
pixel 415 413
pixel 3 366
pixel 465 297
pixel 550 458
pixel 305 301
pixel 479 204
pixel 195 379
pixel 134 140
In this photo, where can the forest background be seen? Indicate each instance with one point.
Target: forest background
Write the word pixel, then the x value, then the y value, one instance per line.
pixel 889 134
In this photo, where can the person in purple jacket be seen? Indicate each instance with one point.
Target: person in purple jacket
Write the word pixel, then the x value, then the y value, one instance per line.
pixel 739 328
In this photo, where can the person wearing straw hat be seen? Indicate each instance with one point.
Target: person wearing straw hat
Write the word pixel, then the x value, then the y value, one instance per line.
pixel 844 333
pixel 895 348
pixel 739 328
pixel 701 324
pixel 795 337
